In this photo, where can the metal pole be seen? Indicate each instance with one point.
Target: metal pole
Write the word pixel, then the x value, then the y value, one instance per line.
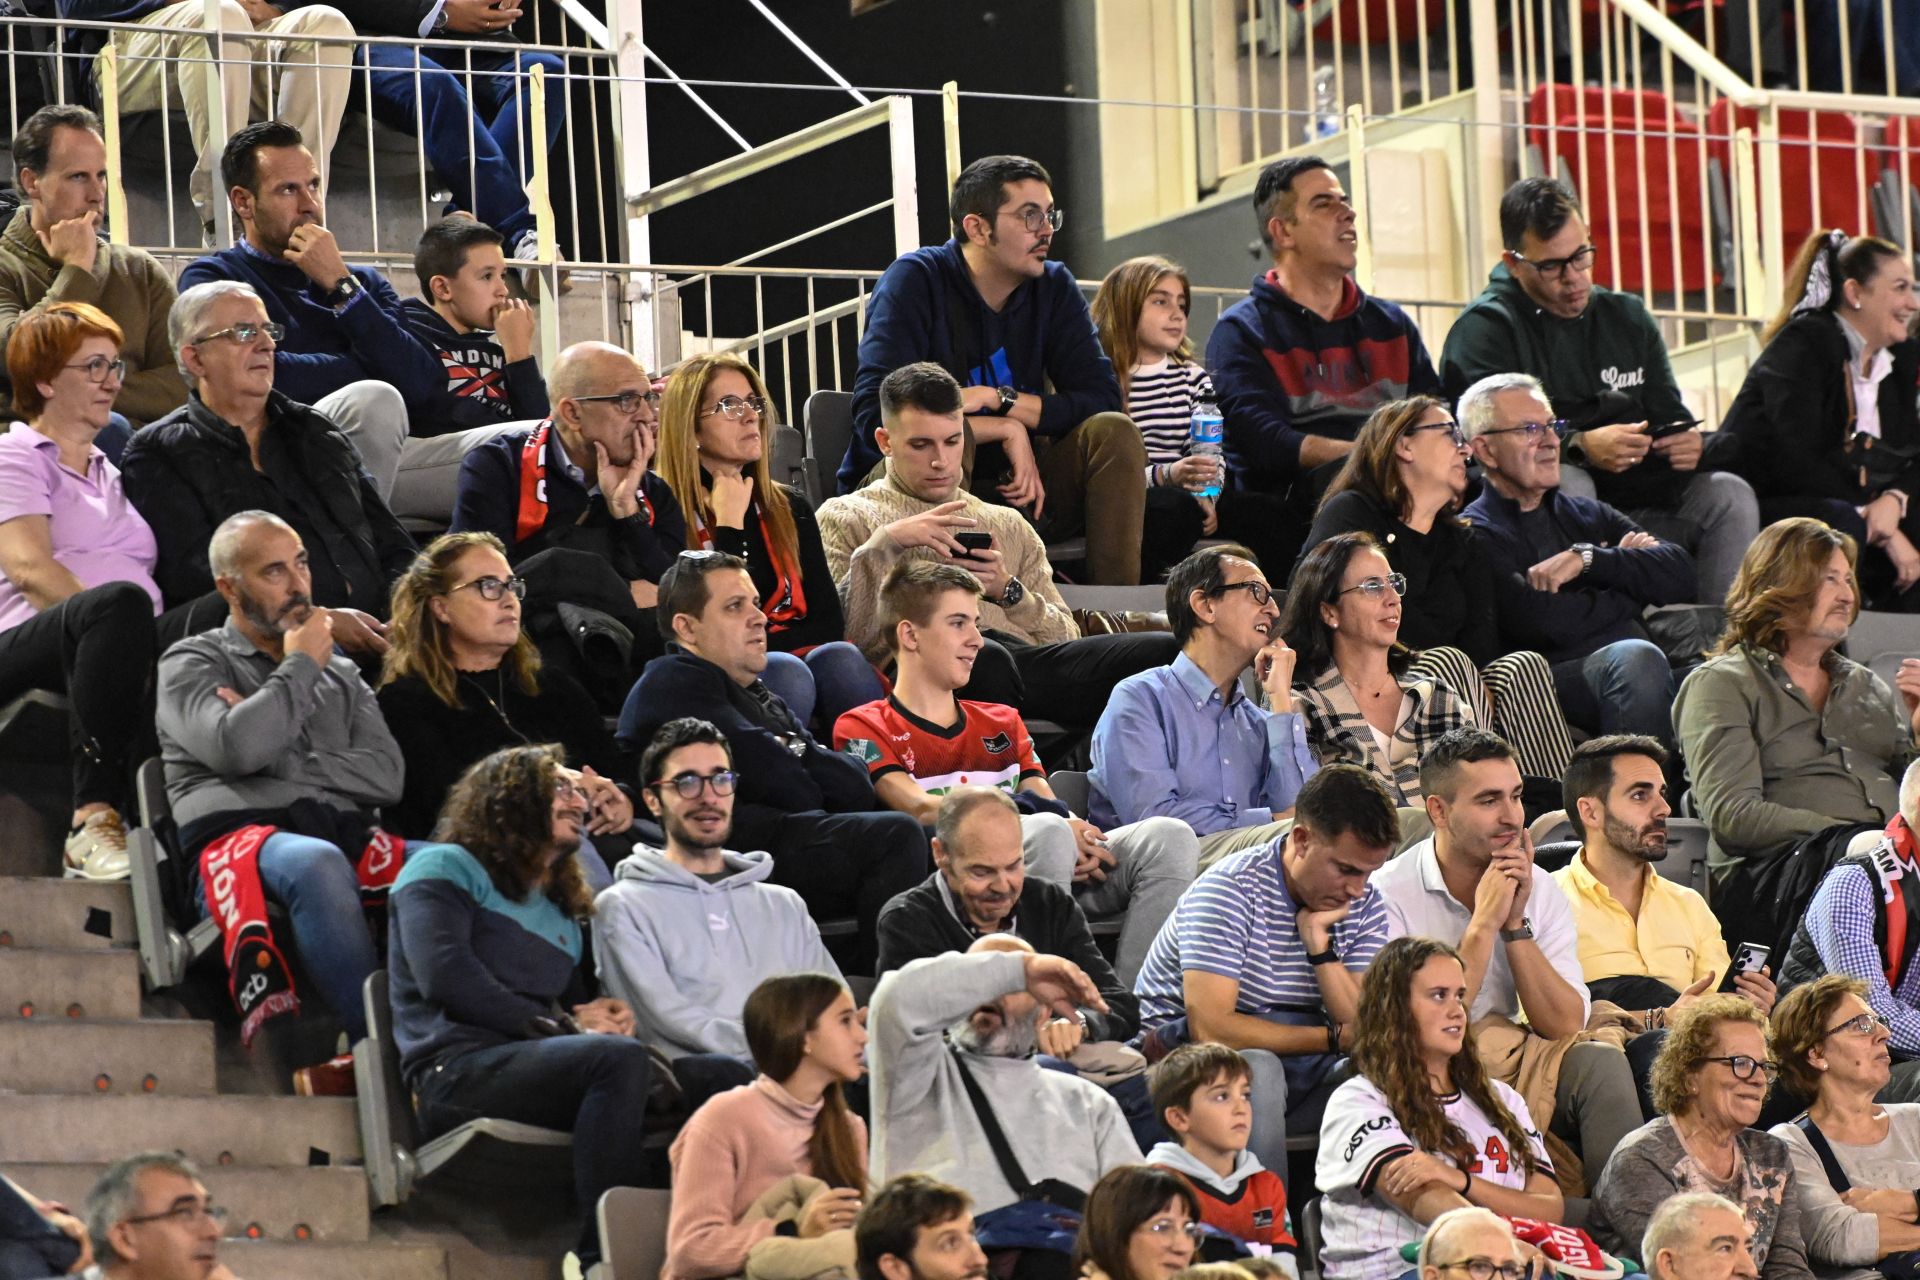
pixel 950 118
pixel 1489 168
pixel 219 128
pixel 1357 195
pixel 110 122
pixel 540 201
pixel 629 125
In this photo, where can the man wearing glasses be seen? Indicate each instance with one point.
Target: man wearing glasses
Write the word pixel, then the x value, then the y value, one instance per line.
pixel 1603 362
pixel 685 933
pixel 1571 575
pixel 150 1218
pixel 1046 422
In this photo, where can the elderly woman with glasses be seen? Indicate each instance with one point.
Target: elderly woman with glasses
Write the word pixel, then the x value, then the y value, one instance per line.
pixel 1857 1161
pixel 1360 703
pixel 77 595
pixel 1404 483
pixel 1142 1222
pixel 1708 1083
pixel 716 432
pixel 462 680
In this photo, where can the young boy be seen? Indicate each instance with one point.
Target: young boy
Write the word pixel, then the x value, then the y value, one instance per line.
pixel 483 337
pixel 1204 1094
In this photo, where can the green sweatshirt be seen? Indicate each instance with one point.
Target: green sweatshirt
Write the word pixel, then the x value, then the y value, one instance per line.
pixel 128 284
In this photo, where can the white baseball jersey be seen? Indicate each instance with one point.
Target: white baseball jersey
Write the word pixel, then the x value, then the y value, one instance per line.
pixel 1359 1138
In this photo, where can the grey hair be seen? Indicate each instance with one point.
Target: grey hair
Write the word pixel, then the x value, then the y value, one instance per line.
pixel 186 323
pixel 115 1197
pixel 223 549
pixel 1453 1218
pixel 1475 407
pixel 961 801
pixel 1910 795
pixel 1674 1222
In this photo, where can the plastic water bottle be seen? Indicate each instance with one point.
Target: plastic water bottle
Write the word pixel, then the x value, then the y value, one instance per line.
pixel 1206 438
pixel 1326 115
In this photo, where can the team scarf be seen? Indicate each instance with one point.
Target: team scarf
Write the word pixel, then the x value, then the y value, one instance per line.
pixel 258 976
pixel 788 605
pixel 1905 849
pixel 532 516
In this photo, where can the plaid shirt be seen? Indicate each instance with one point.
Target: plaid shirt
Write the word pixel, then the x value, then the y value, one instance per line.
pixel 1338 733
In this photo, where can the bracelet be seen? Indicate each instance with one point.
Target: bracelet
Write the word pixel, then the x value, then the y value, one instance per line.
pixel 1467 1185
pixel 1333 1037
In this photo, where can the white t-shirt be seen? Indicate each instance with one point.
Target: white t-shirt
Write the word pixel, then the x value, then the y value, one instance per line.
pixel 1359 1137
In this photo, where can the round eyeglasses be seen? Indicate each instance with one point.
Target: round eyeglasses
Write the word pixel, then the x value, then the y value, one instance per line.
pixel 687 785
pixel 1556 268
pixel 1036 219
pixel 736 407
pixel 99 368
pixel 1374 588
pixel 491 588
pixel 1743 1066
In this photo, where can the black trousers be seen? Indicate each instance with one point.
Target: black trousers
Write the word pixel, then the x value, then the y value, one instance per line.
pixel 1067 682
pixel 842 864
pixel 97 648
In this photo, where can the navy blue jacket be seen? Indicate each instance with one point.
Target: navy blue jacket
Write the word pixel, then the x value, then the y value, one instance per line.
pixel 324 351
pixel 926 308
pixel 478 388
pixel 1602 605
pixel 1283 373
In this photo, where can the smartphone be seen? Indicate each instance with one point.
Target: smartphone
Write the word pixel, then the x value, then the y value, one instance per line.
pixel 1672 428
pixel 1748 957
pixel 973 540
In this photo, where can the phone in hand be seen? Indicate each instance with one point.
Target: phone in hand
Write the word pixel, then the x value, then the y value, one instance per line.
pixel 1665 429
pixel 1748 957
pixel 974 540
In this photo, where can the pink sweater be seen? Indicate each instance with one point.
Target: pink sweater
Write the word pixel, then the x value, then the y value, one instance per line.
pixel 735 1147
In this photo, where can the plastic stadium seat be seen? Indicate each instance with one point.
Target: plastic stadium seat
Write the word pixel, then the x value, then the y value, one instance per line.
pixel 633 1232
pixel 1817 152
pixel 827 424
pixel 1642 132
pixel 1072 789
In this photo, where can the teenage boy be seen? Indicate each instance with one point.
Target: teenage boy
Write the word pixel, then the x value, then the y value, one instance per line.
pixel 1203 1094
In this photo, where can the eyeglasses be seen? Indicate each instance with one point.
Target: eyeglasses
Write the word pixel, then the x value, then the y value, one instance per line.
pixel 688 784
pixel 1556 268
pixel 1167 1226
pixel 491 588
pixel 1744 1066
pixel 565 788
pixel 736 407
pixel 1259 590
pixel 1533 430
pixel 1373 587
pixel 1452 429
pixel 1484 1268
pixel 245 334
pixel 99 367
pixel 1036 219
pixel 185 1215
pixel 624 401
pixel 1861 1025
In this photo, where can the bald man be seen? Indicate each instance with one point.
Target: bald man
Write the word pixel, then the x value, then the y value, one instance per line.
pixel 1468 1234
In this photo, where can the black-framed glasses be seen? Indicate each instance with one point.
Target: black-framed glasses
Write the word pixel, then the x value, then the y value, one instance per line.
pixel 1167 1226
pixel 1484 1268
pixel 1374 588
pixel 1556 268
pixel 246 334
pixel 1743 1066
pixel 1862 1024
pixel 687 785
pixel 1260 591
pixel 1036 219
pixel 185 1215
pixel 624 401
pixel 98 367
pixel 1452 429
pixel 492 588
pixel 736 407
pixel 1533 430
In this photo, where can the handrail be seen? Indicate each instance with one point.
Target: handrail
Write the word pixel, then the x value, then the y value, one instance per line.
pixel 807 50
pixel 1708 67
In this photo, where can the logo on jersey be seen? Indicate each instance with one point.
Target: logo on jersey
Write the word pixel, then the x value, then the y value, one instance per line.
pixel 1262 1219
pixel 1360 1134
pixel 999 744
pixel 865 750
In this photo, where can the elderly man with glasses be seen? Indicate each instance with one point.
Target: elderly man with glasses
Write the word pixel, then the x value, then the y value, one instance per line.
pixel 1602 361
pixel 1571 575
pixel 150 1218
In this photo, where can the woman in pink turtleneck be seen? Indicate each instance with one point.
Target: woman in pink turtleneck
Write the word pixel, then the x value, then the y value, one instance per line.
pixel 808 1040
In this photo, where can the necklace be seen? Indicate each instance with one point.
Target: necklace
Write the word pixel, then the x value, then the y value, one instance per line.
pixel 500 687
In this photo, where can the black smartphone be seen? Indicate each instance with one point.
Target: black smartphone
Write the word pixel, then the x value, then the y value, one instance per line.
pixel 1748 957
pixel 1672 428
pixel 973 540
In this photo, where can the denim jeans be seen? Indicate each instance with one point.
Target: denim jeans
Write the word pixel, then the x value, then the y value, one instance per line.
pixel 482 148
pixel 831 679
pixel 1624 687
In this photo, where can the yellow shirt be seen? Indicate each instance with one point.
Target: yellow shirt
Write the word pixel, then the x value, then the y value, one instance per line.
pixel 1676 940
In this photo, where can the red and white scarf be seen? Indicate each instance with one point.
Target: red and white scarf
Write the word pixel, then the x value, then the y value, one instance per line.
pixel 532 515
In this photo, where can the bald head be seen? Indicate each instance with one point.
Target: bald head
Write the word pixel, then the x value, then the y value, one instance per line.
pixel 591 368
pixel 230 541
pixel 1462 1234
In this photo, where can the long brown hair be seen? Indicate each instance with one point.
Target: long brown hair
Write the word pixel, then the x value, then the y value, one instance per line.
pixel 501 812
pixel 1117 307
pixel 1386 1050
pixel 420 643
pixel 1125 1199
pixel 1372 467
pixel 1857 260
pixel 1316 581
pixel 1779 579
pixel 778 1015
pixel 679 458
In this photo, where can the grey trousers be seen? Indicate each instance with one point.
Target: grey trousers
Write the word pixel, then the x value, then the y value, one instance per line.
pixel 1595 1104
pixel 374 417
pixel 1717 520
pixel 419 478
pixel 1155 860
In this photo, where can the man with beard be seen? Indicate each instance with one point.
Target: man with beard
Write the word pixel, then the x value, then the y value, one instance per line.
pixel 685 933
pixel 952 1055
pixel 263 727
pixel 918 1228
pixel 1474 885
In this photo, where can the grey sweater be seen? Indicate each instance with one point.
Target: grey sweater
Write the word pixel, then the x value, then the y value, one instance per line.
pixel 1059 1126
pixel 1838 1234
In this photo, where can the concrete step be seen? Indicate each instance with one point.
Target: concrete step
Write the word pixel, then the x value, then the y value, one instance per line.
pixel 69 983
pixel 229 1131
pixel 39 911
pixel 316 1261
pixel 297 1205
pixel 65 1056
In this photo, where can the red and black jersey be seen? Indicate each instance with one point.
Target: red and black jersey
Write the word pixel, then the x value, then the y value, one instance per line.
pixel 988 746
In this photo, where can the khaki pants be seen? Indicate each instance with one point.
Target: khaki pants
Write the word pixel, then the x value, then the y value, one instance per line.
pixel 271 74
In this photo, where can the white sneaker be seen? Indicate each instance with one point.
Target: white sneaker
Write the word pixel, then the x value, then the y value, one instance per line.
pixel 527 247
pixel 98 850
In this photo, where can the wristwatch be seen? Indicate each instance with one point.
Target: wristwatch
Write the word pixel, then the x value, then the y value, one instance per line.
pixel 1329 956
pixel 1523 934
pixel 1013 595
pixel 342 292
pixel 1008 398
pixel 1586 555
pixel 439 22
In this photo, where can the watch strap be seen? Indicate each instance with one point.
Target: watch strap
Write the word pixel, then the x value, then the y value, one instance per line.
pixel 1329 956
pixel 1523 934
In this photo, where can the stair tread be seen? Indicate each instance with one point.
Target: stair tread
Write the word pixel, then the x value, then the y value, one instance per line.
pixel 53 1056
pixel 255 1130
pixel 48 911
pixel 105 982
pixel 329 1200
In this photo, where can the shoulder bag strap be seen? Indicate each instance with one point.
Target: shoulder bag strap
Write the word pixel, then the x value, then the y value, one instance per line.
pixel 990 1124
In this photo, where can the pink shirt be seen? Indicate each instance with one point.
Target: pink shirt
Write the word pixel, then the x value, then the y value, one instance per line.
pixel 97 534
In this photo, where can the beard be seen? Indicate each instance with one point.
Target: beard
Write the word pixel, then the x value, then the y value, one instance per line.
pixel 275 623
pixel 1008 1040
pixel 1637 841
pixel 678 832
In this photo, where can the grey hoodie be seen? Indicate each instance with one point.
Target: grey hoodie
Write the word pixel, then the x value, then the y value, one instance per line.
pixel 685 954
pixel 1174 1156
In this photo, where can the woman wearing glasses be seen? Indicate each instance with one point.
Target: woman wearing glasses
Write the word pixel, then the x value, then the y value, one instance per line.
pixel 1141 1223
pixel 1709 1083
pixel 1826 419
pixel 1857 1161
pixel 462 680
pixel 77 595
pixel 716 433
pixel 1404 483
pixel 1360 702
pixel 1420 1128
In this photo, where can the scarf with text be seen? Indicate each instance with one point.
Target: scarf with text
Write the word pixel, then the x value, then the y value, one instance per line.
pixel 532 515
